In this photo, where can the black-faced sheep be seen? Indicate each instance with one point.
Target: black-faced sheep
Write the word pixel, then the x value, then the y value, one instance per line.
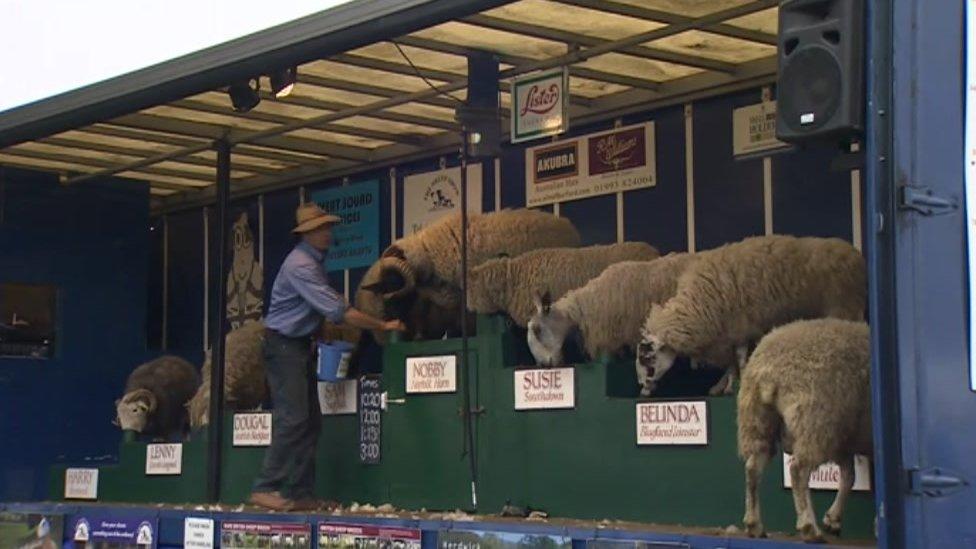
pixel 512 284
pixel 608 310
pixel 245 387
pixel 735 294
pixel 418 278
pixel 806 387
pixel 155 395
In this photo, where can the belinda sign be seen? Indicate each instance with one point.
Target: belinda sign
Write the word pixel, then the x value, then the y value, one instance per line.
pixel 672 423
pixel 545 389
pixel 539 105
pixel 432 374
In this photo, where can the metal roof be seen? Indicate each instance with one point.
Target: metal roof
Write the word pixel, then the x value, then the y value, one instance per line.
pixel 361 101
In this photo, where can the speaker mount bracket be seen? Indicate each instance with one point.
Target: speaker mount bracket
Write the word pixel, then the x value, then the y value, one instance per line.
pixel 926 202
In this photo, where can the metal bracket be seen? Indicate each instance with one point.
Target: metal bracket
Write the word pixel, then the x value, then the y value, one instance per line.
pixel 934 482
pixel 477 411
pixel 925 202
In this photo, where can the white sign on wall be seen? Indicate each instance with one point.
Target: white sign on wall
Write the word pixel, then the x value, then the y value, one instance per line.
pixel 432 374
pixel 617 160
pixel 198 533
pixel 338 398
pixel 81 484
pixel 164 459
pixel 429 196
pixel 754 129
pixel 827 476
pixel 252 429
pixel 970 171
pixel 551 388
pixel 672 423
pixel 540 105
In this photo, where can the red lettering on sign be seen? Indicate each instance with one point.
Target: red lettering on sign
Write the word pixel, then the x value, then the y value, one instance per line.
pixel 540 100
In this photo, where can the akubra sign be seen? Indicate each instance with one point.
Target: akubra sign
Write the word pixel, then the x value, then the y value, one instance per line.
pixel 539 105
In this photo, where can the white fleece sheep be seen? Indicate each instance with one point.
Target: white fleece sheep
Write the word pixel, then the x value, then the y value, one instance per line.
pixel 417 279
pixel 244 380
pixel 806 387
pixel 512 284
pixel 735 294
pixel 608 310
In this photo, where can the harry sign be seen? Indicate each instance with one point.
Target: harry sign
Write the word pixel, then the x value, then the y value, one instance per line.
pixel 432 374
pixel 673 423
pixel 81 484
pixel 540 107
pixel 545 389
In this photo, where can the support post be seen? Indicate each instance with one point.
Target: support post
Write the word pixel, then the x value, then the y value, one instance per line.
pixel 465 365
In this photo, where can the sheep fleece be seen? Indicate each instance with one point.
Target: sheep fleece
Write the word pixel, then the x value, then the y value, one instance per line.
pixel 244 379
pixel 172 381
pixel 511 284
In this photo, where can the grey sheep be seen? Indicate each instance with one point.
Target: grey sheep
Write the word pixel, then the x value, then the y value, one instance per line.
pixel 608 310
pixel 806 387
pixel 245 387
pixel 736 293
pixel 418 278
pixel 512 284
pixel 155 394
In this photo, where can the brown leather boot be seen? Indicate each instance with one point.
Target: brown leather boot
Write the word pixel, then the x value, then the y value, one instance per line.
pixel 271 500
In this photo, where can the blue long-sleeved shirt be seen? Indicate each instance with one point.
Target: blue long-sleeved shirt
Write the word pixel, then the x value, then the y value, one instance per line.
pixel 301 295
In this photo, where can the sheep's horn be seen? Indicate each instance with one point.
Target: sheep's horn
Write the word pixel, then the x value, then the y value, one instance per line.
pixel 402 268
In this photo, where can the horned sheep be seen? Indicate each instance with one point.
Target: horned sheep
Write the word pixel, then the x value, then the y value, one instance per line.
pixel 244 376
pixel 736 293
pixel 418 278
pixel 806 387
pixel 608 311
pixel 511 284
pixel 155 393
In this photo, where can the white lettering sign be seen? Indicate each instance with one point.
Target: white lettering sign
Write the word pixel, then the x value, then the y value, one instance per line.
pixel 198 533
pixel 672 423
pixel 754 129
pixel 164 459
pixel 542 389
pixel 338 398
pixel 540 107
pixel 827 476
pixel 81 484
pixel 618 160
pixel 429 196
pixel 432 374
pixel 252 429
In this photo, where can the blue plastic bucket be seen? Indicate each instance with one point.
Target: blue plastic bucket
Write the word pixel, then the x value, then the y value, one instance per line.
pixel 334 360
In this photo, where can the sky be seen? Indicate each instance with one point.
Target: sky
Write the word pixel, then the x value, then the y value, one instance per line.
pixel 52 46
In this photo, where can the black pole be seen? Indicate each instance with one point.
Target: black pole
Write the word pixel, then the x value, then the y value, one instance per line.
pixel 465 370
pixel 218 266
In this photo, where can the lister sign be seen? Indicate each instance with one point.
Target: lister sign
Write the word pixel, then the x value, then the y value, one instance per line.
pixel 432 374
pixel 545 389
pixel 540 105
pixel 672 423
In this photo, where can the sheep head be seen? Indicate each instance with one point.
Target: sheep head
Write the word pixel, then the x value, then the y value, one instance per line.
pixel 654 357
pixel 548 329
pixel 134 408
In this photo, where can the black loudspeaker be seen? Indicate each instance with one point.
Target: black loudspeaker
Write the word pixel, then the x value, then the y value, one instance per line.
pixel 480 115
pixel 820 90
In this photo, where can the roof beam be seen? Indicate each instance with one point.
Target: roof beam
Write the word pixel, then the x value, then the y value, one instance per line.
pixel 558 35
pixel 582 72
pixel 99 163
pixel 660 16
pixel 368 89
pixel 311 102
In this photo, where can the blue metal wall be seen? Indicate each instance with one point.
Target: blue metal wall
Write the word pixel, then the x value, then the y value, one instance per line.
pixel 92 242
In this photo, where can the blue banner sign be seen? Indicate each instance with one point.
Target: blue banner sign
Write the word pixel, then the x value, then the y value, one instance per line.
pixel 356 240
pixel 116 531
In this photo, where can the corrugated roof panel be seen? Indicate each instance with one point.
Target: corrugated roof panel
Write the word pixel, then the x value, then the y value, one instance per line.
pixel 228 120
pixel 238 158
pixel 370 123
pixel 763 21
pixel 145 146
pixel 689 8
pixel 427 111
pixel 493 40
pixel 327 137
pixel 368 76
pixel 648 69
pixel 555 15
pixel 422 58
pixel 714 46
pixel 592 88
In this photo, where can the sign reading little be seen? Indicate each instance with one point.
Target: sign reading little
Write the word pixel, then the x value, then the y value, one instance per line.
pixel 541 105
pixel 252 429
pixel 827 476
pixel 432 374
pixel 608 162
pixel 672 423
pixel 164 459
pixel 545 389
pixel 356 240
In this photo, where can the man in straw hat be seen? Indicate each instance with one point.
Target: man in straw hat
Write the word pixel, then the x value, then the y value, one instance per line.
pixel 300 299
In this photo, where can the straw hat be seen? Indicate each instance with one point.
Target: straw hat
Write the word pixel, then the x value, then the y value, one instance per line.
pixel 310 216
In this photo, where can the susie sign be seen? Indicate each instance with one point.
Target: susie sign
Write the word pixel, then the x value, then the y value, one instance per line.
pixel 539 107
pixel 545 389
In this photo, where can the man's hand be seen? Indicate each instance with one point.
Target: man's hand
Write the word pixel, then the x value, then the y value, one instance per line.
pixel 394 326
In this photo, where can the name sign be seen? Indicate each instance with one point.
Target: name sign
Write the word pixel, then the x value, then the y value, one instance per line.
pixel 827 476
pixel 338 398
pixel 553 388
pixel 81 484
pixel 432 374
pixel 252 429
pixel 674 423
pixel 164 459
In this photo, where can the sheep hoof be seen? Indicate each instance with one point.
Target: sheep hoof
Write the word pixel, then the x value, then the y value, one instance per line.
pixel 831 525
pixel 811 534
pixel 755 530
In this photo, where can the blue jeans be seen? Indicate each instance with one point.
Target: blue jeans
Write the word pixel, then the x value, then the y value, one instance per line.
pixel 289 463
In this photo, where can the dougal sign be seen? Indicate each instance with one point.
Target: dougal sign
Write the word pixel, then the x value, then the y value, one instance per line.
pixel 432 374
pixel 252 429
pixel 545 389
pixel 672 423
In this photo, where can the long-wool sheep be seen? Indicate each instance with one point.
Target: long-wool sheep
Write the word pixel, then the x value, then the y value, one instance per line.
pixel 417 279
pixel 806 387
pixel 155 394
pixel 244 380
pixel 512 284
pixel 608 310
pixel 736 293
